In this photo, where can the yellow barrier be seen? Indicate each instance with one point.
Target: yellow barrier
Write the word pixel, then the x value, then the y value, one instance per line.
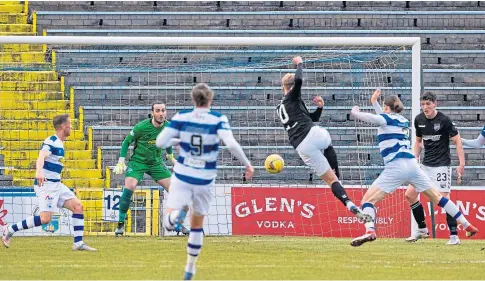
pixel 44 46
pixel 34 22
pixel 54 59
pixel 81 122
pixel 100 158
pixel 92 199
pixel 155 212
pixel 71 101
pixel 26 7
pixel 63 86
pixel 90 138
pixel 107 180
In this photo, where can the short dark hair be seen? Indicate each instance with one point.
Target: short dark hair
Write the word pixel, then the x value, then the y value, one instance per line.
pixel 430 96
pixel 394 103
pixel 59 120
pixel 153 104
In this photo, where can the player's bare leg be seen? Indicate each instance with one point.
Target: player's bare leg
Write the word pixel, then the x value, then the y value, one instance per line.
pixel 371 197
pixel 130 187
pixel 451 209
pixel 165 183
pixel 418 214
pixel 339 192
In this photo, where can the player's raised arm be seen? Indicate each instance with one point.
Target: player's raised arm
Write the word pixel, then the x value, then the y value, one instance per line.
pixel 476 143
pixel 44 152
pixel 295 91
pixel 170 135
pixel 318 101
pixel 375 103
pixel 368 117
pixel 225 133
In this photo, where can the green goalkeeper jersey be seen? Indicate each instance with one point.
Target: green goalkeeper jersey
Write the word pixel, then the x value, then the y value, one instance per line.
pixel 144 136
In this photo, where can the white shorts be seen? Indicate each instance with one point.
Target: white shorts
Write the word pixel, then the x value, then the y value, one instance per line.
pixel 52 195
pixel 401 172
pixel 198 197
pixel 440 176
pixel 310 150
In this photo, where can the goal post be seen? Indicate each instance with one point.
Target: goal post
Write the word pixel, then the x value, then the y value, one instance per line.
pixel 107 85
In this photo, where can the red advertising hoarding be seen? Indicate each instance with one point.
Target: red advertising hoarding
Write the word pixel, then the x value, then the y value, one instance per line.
pixel 470 202
pixel 316 212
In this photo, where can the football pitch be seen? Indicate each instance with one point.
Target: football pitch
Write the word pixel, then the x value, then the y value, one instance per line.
pixel 121 258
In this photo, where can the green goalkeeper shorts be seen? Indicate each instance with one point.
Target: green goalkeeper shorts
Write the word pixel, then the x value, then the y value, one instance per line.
pixel 157 172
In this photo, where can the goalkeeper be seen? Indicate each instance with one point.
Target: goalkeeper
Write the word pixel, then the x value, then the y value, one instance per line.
pixel 146 158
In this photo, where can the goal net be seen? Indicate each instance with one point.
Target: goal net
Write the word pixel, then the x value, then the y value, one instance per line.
pixel 108 85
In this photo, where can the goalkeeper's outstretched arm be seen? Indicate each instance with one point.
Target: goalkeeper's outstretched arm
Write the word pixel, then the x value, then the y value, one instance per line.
pixel 121 166
pixel 126 144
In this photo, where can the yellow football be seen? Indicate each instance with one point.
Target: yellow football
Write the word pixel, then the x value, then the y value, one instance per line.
pixel 274 163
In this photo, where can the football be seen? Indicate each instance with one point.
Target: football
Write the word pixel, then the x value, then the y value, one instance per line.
pixel 274 163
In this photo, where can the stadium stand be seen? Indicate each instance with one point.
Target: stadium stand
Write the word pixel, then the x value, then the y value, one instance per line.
pixel 39 96
pixel 453 64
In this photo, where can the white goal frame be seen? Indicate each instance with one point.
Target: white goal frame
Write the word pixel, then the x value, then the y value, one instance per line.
pixel 414 42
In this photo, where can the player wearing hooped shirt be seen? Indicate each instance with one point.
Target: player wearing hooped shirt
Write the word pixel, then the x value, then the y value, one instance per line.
pixel 51 193
pixel 479 142
pixel 400 167
pixel 197 132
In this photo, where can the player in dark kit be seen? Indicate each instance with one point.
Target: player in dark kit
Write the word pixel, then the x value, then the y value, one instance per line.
pixel 435 129
pixel 308 139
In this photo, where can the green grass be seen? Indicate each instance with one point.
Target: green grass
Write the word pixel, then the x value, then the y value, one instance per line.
pixel 242 258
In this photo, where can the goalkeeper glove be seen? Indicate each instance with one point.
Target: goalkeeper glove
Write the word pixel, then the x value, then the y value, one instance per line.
pixel 120 168
pixel 170 157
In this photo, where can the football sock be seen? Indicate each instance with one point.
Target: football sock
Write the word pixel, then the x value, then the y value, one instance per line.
pixel 125 204
pixel 29 222
pixel 418 213
pixel 194 246
pixel 368 208
pixel 453 211
pixel 78 225
pixel 339 192
pixel 452 224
